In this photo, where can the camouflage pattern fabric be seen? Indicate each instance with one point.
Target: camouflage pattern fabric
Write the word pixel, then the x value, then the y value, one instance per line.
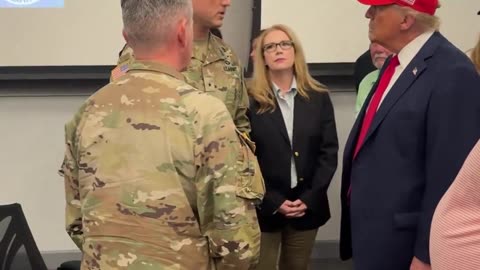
pixel 157 177
pixel 219 73
pixel 124 60
pixel 215 70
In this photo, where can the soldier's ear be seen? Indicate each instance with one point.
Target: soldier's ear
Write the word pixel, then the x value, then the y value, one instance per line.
pixel 182 32
pixel 125 36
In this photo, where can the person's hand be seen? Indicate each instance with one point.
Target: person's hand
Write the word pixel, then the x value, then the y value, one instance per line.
pixel 419 265
pixel 286 208
pixel 294 209
pixel 300 208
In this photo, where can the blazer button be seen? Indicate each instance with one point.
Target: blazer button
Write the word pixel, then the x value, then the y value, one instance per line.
pixel 300 179
pixel 296 154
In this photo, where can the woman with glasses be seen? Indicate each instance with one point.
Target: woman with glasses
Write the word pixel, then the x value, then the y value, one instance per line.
pixel 293 126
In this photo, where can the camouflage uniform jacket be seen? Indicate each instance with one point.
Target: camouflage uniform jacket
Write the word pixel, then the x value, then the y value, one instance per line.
pixel 218 73
pixel 156 177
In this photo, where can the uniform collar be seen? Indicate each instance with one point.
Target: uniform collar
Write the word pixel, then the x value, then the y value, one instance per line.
pixel 216 50
pixel 155 67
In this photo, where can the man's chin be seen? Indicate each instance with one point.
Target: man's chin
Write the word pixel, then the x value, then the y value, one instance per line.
pixel 378 62
pixel 217 24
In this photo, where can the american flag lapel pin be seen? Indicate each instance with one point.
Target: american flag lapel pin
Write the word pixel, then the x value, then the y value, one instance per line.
pixel 415 70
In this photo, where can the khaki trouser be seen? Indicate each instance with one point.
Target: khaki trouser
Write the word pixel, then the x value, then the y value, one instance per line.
pixel 287 249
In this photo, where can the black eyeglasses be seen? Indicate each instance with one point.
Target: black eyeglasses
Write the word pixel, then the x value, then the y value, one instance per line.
pixel 284 45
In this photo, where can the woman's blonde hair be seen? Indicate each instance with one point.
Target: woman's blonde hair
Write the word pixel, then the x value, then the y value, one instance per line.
pixel 475 55
pixel 261 89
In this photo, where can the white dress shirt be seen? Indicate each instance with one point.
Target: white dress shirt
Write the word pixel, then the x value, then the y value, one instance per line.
pixel 286 102
pixel 405 56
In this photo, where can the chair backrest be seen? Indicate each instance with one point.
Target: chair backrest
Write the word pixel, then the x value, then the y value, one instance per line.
pixel 17 246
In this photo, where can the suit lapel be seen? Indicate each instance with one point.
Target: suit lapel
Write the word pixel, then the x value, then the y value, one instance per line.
pixel 277 118
pixel 401 86
pixel 409 75
pixel 300 112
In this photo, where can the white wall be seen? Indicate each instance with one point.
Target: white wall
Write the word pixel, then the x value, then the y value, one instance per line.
pixel 31 154
pixel 330 30
pixel 344 105
pixel 460 22
pixel 237 26
pixel 337 31
pixel 84 32
pixel 70 39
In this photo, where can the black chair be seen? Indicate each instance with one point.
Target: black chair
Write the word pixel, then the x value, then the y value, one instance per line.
pixel 18 250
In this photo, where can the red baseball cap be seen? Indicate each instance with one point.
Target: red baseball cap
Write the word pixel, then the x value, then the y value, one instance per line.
pixel 425 6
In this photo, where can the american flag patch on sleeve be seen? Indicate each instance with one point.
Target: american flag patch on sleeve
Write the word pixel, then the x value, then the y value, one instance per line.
pixel 119 71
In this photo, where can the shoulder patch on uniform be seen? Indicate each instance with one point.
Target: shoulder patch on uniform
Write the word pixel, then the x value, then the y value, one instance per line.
pixel 119 71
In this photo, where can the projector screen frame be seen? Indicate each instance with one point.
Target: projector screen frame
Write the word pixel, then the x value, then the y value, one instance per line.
pixel 55 73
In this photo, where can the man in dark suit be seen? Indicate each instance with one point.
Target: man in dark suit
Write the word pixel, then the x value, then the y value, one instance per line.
pixel 409 141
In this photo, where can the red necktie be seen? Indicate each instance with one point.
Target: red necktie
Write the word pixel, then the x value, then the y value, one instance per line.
pixel 374 103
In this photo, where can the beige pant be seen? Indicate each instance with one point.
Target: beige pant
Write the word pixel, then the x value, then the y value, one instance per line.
pixel 287 249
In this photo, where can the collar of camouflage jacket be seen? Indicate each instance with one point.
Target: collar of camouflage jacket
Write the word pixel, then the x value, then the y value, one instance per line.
pixel 215 50
pixel 155 67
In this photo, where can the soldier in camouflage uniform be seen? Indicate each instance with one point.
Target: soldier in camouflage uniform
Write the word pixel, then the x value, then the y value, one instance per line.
pixel 214 68
pixel 156 176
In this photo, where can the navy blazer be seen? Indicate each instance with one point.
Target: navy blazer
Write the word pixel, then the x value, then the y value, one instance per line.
pixel 315 150
pixel 418 140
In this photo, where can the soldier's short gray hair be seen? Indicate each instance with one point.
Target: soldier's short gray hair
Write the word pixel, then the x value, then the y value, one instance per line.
pixel 148 22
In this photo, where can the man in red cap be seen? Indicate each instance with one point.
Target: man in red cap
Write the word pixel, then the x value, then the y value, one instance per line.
pixel 410 139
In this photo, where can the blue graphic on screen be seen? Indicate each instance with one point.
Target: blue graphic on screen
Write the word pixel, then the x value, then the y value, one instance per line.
pixel 31 3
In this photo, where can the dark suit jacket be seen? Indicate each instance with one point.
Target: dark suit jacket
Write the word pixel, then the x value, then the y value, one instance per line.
pixel 416 144
pixel 315 149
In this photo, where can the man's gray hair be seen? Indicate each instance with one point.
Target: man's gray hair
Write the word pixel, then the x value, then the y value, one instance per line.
pixel 149 22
